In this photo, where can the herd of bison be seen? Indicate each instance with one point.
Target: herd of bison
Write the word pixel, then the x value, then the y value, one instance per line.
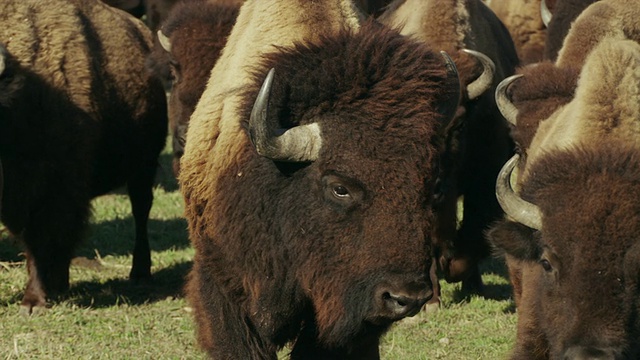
pixel 338 158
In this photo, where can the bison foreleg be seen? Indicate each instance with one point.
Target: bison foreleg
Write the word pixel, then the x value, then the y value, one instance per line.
pixel 141 197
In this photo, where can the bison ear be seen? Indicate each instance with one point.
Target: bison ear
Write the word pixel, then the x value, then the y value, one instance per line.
pixel 514 239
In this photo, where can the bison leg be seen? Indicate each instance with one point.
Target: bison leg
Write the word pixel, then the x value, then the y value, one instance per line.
pixel 140 188
pixel 50 238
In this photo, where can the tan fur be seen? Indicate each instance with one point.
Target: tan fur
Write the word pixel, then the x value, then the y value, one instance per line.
pixel 600 26
pixel 214 130
pixel 522 18
pixel 61 45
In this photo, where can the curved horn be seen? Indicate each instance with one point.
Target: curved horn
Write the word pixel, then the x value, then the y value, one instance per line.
pixel 449 107
pixel 506 107
pixel 484 81
pixel 298 144
pixel 545 13
pixel 165 42
pixel 513 205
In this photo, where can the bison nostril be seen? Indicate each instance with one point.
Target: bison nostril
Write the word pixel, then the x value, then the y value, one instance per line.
pixel 402 306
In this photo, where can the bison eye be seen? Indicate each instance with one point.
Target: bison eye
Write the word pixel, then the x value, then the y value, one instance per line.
pixel 546 265
pixel 341 192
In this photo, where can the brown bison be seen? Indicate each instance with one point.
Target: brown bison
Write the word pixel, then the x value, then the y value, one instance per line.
pixel 308 178
pixel 576 219
pixel 190 42
pixel 552 112
pixel 478 141
pixel 79 116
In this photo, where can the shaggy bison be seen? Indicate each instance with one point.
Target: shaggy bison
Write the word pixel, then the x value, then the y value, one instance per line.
pixel 308 177
pixel 79 116
pixel 190 42
pixel 477 143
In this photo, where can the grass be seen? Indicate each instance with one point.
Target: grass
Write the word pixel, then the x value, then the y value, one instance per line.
pixel 106 317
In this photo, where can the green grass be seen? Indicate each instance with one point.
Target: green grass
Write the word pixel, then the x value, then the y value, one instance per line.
pixel 106 317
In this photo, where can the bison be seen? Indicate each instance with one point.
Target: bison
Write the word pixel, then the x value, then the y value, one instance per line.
pixel 308 177
pixel 575 229
pixel 478 141
pixel 561 105
pixel 190 42
pixel 79 116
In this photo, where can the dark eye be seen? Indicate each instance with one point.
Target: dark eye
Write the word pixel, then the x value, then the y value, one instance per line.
pixel 546 265
pixel 341 192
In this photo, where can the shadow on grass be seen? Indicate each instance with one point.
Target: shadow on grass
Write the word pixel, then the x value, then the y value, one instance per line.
pixel 496 292
pixel 166 283
pixel 116 237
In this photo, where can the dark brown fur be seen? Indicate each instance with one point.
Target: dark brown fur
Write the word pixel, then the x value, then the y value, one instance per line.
pixel 277 258
pixel 58 155
pixel 589 297
pixel 198 31
pixel 542 90
pixel 564 13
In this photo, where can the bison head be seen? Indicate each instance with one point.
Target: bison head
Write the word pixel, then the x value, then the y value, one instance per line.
pixel 579 251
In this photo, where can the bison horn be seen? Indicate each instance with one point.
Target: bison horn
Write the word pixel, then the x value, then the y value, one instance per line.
pixel 450 105
pixel 506 107
pixel 485 80
pixel 298 144
pixel 513 205
pixel 164 40
pixel 545 13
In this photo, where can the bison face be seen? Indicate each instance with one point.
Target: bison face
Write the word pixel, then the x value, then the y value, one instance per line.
pixel 579 270
pixel 186 49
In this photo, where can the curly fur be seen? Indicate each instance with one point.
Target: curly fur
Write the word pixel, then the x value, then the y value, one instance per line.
pixel 522 18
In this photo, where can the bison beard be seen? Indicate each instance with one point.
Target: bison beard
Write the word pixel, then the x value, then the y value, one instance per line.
pixel 278 257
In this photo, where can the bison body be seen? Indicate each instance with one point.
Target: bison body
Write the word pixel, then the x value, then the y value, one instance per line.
pixel 79 117
pixel 308 188
pixel 477 143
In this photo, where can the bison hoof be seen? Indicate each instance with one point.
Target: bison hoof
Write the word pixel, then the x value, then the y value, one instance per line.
pixel 32 310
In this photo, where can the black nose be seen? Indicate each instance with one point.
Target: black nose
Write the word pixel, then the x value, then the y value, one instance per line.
pixel 400 306
pixel 588 353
